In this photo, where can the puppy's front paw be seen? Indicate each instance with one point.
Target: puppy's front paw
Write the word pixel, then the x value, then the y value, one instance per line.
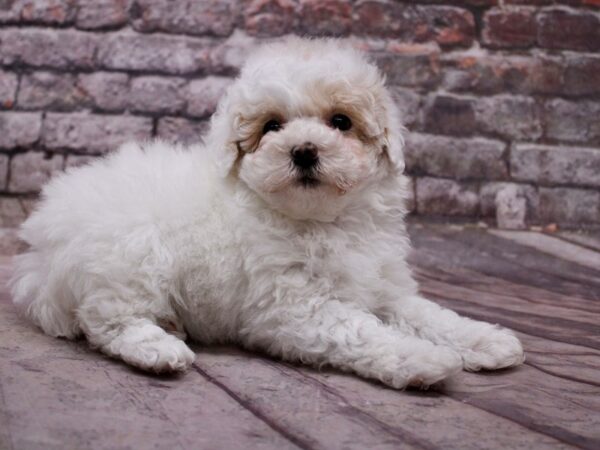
pixel 496 349
pixel 424 369
pixel 166 354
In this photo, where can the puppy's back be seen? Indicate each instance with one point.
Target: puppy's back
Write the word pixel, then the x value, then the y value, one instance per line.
pixel 86 213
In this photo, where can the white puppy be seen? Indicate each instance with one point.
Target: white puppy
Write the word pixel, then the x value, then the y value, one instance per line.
pixel 283 233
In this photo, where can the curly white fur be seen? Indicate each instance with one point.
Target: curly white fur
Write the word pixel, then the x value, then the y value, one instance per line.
pixel 224 243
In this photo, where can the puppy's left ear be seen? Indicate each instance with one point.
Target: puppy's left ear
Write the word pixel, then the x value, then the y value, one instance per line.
pixel 220 140
pixel 393 133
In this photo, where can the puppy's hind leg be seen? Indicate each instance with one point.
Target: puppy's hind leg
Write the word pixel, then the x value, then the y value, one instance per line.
pixel 129 332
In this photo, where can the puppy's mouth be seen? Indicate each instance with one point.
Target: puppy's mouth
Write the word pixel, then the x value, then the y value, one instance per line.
pixel 308 181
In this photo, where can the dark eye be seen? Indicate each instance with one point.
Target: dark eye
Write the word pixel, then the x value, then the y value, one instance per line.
pixel 272 125
pixel 341 122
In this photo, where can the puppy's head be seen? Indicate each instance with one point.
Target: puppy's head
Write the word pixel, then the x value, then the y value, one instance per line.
pixel 308 126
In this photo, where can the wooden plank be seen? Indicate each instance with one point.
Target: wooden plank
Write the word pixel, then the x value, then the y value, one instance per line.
pixel 328 400
pixel 563 409
pixel 60 394
pixel 478 251
pixel 309 412
pixel 552 246
pixel 587 239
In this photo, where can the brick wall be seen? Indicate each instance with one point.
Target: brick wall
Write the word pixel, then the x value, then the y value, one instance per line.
pixel 502 98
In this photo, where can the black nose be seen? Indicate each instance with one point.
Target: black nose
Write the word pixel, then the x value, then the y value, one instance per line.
pixel 305 155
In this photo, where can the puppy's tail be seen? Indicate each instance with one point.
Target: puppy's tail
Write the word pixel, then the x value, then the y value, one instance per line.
pixel 35 294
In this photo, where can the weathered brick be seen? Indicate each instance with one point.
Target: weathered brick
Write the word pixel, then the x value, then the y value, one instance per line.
pixel 572 121
pixel 10 244
pixel 160 53
pixel 511 208
pixel 204 94
pixel 269 17
pixel 12 211
pixel 574 207
pixel 569 29
pixel 504 116
pixel 450 115
pixel 105 91
pixel 448 26
pixel 315 17
pixel 409 103
pixel 508 117
pixel 207 17
pixel 184 131
pixel 555 165
pixel 45 12
pixel 36 47
pixel 3 171
pixel 227 57
pixel 53 91
pixel 79 160
pixel 512 27
pixel 410 65
pixel 8 89
pixel 97 14
pixel 499 74
pixel 441 156
pixel 582 75
pixel 489 193
pixel 159 95
pixel 437 196
pixel 30 171
pixel 19 129
pixel 91 133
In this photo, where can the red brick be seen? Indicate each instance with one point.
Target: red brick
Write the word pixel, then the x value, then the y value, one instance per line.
pixel 269 17
pixel 324 17
pixel 206 17
pixel 582 75
pixel 450 115
pixel 410 65
pixel 513 27
pixel 498 74
pixel 43 12
pixel 448 26
pixel 97 14
pixel 569 29
pixel 8 89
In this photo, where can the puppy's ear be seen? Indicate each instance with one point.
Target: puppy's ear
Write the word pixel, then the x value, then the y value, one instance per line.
pixel 220 140
pixel 393 133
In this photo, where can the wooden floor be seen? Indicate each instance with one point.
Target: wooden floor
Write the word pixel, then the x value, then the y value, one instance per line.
pixel 56 394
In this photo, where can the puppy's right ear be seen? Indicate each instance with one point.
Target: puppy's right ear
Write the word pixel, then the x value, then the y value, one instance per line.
pixel 220 140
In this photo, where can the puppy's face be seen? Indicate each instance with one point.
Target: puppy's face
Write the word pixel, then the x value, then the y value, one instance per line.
pixel 310 127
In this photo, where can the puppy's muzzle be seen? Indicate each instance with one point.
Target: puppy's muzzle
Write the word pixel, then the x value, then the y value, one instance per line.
pixel 305 156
